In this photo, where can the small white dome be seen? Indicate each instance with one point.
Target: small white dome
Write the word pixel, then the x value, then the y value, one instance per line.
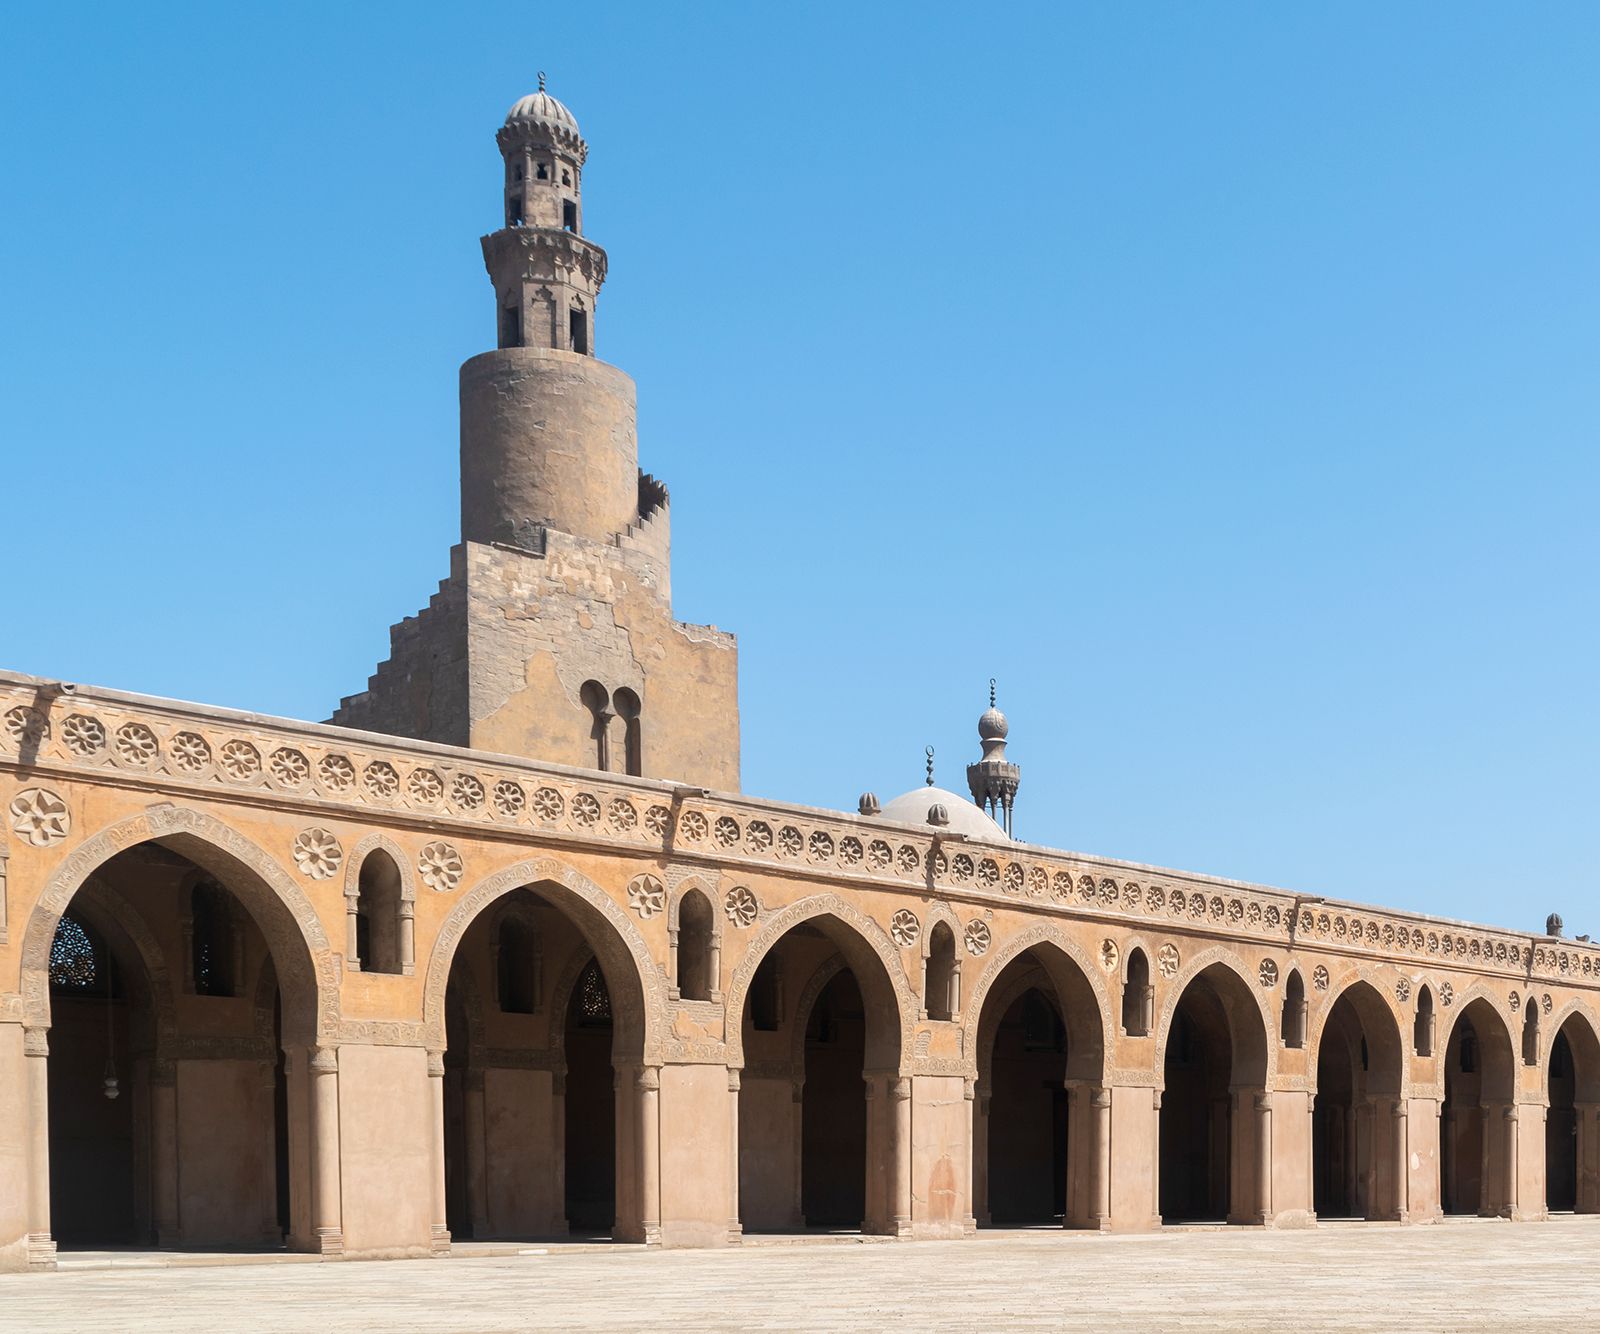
pixel 965 817
pixel 545 110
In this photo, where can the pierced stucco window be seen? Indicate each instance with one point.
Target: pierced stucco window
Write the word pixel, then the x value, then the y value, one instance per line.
pixel 1138 996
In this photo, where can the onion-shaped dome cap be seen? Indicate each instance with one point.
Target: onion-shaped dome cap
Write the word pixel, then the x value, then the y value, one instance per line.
pixel 992 726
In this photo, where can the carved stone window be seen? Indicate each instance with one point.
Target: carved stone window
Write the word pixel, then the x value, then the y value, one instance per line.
pixel 591 1001
pixel 80 964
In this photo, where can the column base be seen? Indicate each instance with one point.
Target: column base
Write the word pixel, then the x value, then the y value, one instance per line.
pixel 439 1241
pixel 41 1251
pixel 329 1242
pixel 735 1232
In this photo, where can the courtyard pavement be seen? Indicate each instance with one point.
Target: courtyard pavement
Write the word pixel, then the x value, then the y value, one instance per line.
pixel 1460 1275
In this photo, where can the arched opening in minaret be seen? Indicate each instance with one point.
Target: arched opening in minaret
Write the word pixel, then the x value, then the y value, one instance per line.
pixel 578 330
pixel 1040 1043
pixel 543 1022
pixel 628 710
pixel 1214 1067
pixel 511 326
pixel 1479 1085
pixel 819 1093
pixel 1353 1122
pixel 167 1079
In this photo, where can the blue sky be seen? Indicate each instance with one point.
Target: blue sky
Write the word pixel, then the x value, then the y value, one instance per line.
pixel 1220 378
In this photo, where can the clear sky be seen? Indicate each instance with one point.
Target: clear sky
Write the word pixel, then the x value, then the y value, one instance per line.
pixel 1221 378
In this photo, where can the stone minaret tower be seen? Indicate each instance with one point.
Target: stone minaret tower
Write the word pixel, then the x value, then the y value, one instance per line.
pixel 553 636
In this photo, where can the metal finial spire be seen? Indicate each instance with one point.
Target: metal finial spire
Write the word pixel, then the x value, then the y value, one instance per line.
pixel 541 81
pixel 930 766
pixel 991 692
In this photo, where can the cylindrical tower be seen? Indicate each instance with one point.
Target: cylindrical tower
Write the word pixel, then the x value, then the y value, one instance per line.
pixel 548 434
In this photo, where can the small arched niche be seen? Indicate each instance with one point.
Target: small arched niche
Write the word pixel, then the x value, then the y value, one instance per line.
pixel 1294 1010
pixel 1138 996
pixel 1422 1025
pixel 696 947
pixel 378 898
pixel 942 977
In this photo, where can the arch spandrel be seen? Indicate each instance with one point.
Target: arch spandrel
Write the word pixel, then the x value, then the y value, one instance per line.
pixel 286 917
pixel 1069 968
pixel 1231 963
pixel 633 977
pixel 867 949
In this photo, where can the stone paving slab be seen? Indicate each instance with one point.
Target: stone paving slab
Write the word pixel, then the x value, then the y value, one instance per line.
pixel 1457 1276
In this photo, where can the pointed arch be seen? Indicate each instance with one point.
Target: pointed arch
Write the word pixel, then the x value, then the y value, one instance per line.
pixel 1382 1024
pixel 872 956
pixel 1072 972
pixel 286 917
pixel 632 976
pixel 1263 1060
pixel 1586 1050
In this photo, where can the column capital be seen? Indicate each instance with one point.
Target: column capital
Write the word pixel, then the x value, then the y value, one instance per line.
pixel 324 1060
pixel 649 1078
pixel 734 1079
pixel 435 1065
pixel 36 1041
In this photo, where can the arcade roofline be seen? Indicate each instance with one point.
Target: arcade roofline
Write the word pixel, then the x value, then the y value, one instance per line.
pixel 188 750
